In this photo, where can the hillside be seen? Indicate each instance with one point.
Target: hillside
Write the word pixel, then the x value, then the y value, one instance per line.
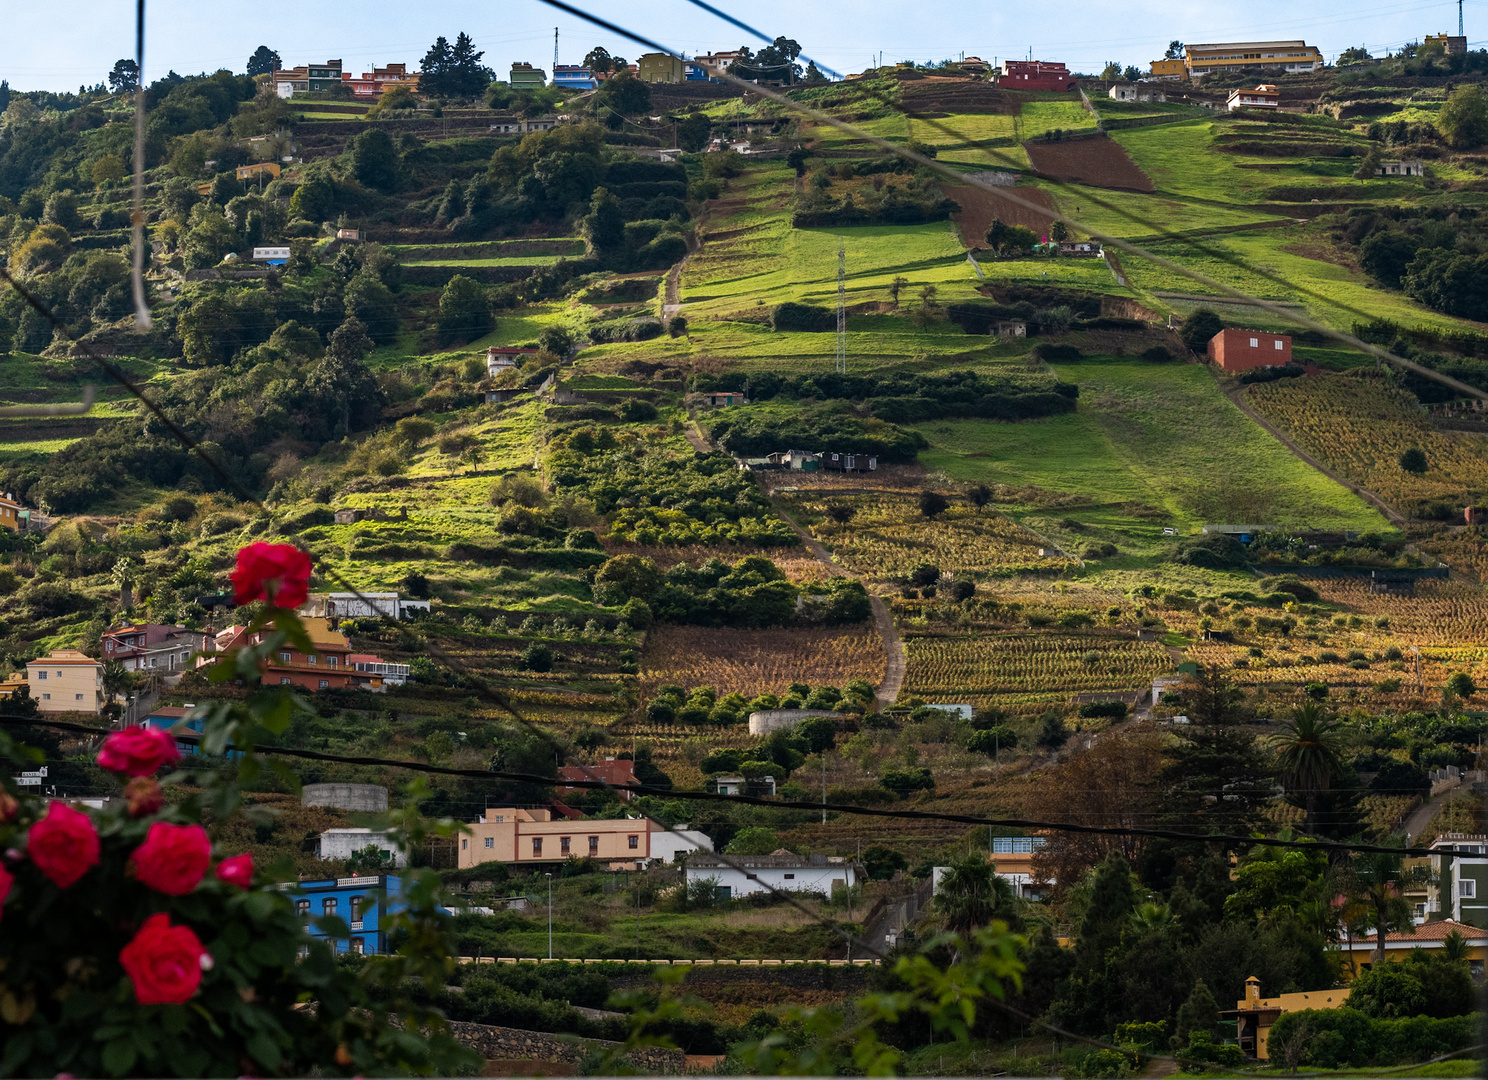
pixel 591 547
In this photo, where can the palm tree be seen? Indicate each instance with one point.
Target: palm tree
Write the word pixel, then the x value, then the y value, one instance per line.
pixel 971 894
pixel 1454 948
pixel 1375 880
pixel 1307 754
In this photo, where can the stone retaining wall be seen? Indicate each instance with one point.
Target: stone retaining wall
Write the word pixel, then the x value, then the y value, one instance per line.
pixel 500 1043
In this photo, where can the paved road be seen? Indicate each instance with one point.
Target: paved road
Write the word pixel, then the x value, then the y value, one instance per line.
pixel 1420 817
pixel 1237 395
pixel 883 621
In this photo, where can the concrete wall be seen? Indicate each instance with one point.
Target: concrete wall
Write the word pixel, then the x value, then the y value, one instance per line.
pixel 365 798
pixel 344 843
pixel 768 720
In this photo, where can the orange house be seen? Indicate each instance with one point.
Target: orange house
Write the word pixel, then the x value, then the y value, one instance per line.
pixel 325 667
pixel 1245 350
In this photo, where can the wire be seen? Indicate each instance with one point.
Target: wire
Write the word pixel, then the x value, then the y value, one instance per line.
pixel 1228 840
pixel 726 17
pixel 1106 238
pixel 137 278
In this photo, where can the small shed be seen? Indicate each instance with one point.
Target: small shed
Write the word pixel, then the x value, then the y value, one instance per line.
pixel 1135 92
pixel 1080 249
pixel 1012 328
pixel 1401 168
pixel 835 462
pixel 718 399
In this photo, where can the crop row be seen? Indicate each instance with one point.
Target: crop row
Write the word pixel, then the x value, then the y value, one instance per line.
pixel 1024 664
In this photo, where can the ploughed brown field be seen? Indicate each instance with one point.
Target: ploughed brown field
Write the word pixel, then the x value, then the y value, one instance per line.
pixel 979 207
pixel 1099 162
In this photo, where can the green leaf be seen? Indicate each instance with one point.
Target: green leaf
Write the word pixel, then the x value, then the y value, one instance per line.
pixel 119 1056
pixel 264 1050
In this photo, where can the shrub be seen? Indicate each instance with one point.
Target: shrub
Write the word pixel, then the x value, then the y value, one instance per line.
pixel 802 317
pixel 1198 328
pixel 1347 1038
pixel 1051 353
pixel 993 740
pixel 537 657
pixel 1116 710
pixel 1157 355
pixel 902 782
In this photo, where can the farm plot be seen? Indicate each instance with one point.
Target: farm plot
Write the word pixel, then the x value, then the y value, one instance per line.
pixel 1028 668
pixel 887 538
pixel 1163 436
pixel 755 662
pixel 979 206
pixel 1098 162
pixel 1361 428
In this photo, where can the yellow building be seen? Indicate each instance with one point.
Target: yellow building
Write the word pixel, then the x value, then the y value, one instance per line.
pixel 1255 1015
pixel 659 67
pixel 10 513
pixel 66 681
pixel 1173 68
pixel 1360 952
pixel 520 835
pixel 251 172
pixel 10 684
pixel 1230 56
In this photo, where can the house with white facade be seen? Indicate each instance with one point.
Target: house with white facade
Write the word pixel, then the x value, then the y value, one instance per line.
pixel 782 870
pixel 344 843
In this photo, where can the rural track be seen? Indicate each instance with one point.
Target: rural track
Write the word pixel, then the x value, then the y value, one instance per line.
pixel 883 621
pixel 1237 397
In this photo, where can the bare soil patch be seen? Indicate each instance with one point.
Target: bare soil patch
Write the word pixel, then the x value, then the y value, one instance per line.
pixel 979 206
pixel 1099 162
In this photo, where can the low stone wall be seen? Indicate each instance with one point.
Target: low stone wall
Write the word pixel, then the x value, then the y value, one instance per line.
pixel 500 1043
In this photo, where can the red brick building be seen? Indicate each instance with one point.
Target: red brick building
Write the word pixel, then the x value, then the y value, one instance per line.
pixel 1244 350
pixel 610 770
pixel 1034 75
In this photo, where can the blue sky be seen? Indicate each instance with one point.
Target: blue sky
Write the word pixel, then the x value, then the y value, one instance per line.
pixel 60 44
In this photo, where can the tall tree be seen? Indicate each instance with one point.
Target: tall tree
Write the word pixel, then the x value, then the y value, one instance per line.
pixel 1175 50
pixel 1375 878
pixel 435 66
pixel 1307 756
pixel 599 61
pixel 263 61
pixel 374 159
pixel 344 383
pixel 971 894
pixel 1215 778
pixel 124 78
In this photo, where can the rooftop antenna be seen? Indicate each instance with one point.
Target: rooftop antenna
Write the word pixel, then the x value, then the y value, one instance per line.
pixel 841 306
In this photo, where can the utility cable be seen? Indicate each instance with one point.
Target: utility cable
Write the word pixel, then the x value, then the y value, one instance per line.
pixel 1229 840
pixel 137 277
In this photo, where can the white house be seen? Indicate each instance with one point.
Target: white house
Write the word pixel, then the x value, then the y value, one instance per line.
pixel 367 605
pixel 1136 92
pixel 1402 168
pixel 1264 96
pixel 739 785
pixel 273 256
pixel 667 845
pixel 344 843
pixel 782 870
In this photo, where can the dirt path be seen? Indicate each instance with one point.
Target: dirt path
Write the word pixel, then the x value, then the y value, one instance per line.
pixel 883 622
pixel 672 303
pixel 1237 395
pixel 696 437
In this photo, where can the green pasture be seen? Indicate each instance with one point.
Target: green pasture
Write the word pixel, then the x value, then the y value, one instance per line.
pixel 1180 160
pixel 1162 436
pixel 12 450
pixel 1040 117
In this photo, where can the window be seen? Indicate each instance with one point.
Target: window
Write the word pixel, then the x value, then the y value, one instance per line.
pixel 790 877
pixel 284 680
pixel 536 846
pixel 490 841
pixel 302 907
pixel 563 845
pixel 357 947
pixel 41 675
pixel 594 845
pixel 286 657
pixel 330 661
pixel 465 844
pixel 1278 344
pixel 46 697
pixel 323 684
pixel 1255 343
pixel 634 842
pixel 328 906
pixel 310 659
pixel 77 697
pixel 1467 889
pixel 356 907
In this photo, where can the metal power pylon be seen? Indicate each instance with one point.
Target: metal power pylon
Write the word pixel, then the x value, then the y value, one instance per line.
pixel 841 306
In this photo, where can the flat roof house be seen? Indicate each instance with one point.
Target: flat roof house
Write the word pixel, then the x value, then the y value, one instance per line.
pixel 307 77
pixel 660 67
pixel 1034 75
pixel 1265 96
pixel 1290 56
pixel 1236 350
pixel 1401 168
pixel 362 902
pixel 152 646
pixel 526 77
pixel 574 76
pixel 10 513
pixel 784 870
pixel 534 836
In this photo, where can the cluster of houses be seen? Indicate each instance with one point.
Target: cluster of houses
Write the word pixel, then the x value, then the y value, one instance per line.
pixel 1227 57
pixel 67 680
pixel 810 461
pixel 327 76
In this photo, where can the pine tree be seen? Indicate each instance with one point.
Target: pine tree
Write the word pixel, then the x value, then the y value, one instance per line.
pixel 1199 1013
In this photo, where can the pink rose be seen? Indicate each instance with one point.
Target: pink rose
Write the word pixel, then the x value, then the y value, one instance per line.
pixel 173 859
pixel 278 573
pixel 237 871
pixel 138 751
pixel 164 962
pixel 7 879
pixel 63 845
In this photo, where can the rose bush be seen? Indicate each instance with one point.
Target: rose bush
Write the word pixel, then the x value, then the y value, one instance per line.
pixel 276 573
pixel 123 952
pixel 138 751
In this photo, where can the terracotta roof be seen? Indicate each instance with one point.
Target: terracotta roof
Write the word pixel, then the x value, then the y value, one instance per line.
pixel 65 656
pixel 172 712
pixel 1431 933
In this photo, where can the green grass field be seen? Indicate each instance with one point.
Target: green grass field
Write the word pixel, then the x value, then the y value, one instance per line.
pixel 1040 117
pixel 1159 435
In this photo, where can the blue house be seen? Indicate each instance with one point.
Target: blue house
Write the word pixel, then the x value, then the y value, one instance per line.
pixel 188 732
pixel 357 901
pixel 574 76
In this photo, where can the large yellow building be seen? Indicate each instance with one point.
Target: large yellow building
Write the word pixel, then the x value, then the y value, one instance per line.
pixel 1255 1015
pixel 1231 56
pixel 659 67
pixel 66 681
